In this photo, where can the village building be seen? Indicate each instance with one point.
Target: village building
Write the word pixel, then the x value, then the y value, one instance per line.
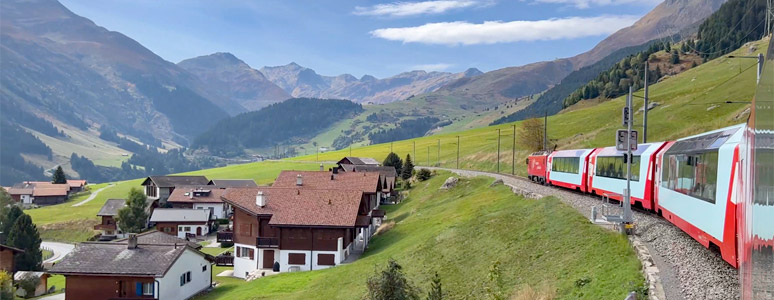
pixel 205 197
pixel 133 270
pixel 360 161
pixel 296 229
pixel 388 177
pixel 76 185
pixel 232 183
pixel 160 187
pixel 40 289
pixel 108 225
pixel 7 261
pixel 182 222
pixel 39 193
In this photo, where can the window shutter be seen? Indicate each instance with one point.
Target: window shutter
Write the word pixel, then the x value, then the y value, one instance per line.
pixel 138 289
pixel 153 289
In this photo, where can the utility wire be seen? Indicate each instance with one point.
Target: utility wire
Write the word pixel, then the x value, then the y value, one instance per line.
pixel 720 84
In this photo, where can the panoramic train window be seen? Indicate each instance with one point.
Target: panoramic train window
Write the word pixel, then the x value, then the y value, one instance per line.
pixel 566 164
pixel 614 167
pixel 693 174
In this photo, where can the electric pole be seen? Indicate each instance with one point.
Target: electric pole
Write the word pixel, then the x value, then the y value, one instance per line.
pixel 458 152
pixel 627 217
pixel 317 152
pixel 438 156
pixel 350 150
pixel 545 131
pixel 513 152
pixel 428 155
pixel 390 147
pixel 415 150
pixel 645 111
pixel 498 150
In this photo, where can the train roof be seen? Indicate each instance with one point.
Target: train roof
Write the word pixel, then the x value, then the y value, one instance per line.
pixel 708 140
pixel 641 148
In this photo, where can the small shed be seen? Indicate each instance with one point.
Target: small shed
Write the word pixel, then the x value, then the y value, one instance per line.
pixel 41 288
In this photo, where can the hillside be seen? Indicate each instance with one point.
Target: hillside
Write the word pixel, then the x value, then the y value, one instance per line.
pixel 226 76
pixel 461 233
pixel 300 81
pixel 688 103
pixel 290 122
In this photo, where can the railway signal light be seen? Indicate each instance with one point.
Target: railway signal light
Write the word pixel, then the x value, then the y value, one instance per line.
pixel 625 116
pixel 622 140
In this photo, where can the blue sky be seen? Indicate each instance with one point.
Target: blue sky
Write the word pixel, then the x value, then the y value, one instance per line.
pixel 379 38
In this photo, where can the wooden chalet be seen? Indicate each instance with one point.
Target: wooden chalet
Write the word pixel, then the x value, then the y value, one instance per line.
pixel 160 187
pixel 108 225
pixel 7 260
pixel 182 222
pixel 296 228
pixel 205 197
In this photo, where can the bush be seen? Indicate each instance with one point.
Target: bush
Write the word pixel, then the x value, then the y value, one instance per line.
pixel 424 174
pixel 391 284
pixel 28 284
pixel 223 221
pixel 227 244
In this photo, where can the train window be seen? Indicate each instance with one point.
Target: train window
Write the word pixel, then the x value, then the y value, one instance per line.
pixel 693 174
pixel 566 165
pixel 614 167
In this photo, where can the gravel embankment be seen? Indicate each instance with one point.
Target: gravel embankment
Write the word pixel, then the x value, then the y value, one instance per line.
pixel 687 269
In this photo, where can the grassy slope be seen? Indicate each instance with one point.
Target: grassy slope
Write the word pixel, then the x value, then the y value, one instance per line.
pixel 685 101
pixel 538 243
pixel 63 222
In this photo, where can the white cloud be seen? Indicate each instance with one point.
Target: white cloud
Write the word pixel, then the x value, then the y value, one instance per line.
pixel 492 32
pixel 588 3
pixel 432 67
pixel 401 9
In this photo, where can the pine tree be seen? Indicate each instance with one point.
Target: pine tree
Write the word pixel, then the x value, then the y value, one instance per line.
pixel 393 160
pixel 132 218
pixel 59 176
pixel 435 293
pixel 408 168
pixel 390 284
pixel 675 57
pixel 24 235
pixel 8 216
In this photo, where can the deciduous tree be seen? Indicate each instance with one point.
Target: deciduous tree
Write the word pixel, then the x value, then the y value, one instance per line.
pixel 530 134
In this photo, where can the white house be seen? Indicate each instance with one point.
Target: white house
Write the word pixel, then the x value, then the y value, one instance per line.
pixel 205 197
pixel 182 222
pixel 134 270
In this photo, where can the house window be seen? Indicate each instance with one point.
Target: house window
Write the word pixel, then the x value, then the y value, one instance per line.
pixel 244 252
pixel 147 289
pixel 326 259
pixel 167 229
pixel 187 229
pixel 297 258
pixel 187 276
pixel 204 268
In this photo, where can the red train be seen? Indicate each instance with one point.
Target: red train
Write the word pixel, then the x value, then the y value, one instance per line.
pixel 691 182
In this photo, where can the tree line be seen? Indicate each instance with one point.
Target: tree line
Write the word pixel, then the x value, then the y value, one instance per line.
pixel 406 129
pixel 15 168
pixel 735 23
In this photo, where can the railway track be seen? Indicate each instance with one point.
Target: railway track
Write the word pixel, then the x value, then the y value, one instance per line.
pixel 687 269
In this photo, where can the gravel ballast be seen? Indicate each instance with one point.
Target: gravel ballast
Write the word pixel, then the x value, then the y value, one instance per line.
pixel 687 269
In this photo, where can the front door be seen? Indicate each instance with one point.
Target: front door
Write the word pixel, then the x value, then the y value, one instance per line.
pixel 268 259
pixel 198 231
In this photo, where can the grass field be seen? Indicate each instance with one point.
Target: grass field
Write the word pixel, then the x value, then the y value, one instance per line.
pixel 65 223
pixel 461 233
pixel 689 103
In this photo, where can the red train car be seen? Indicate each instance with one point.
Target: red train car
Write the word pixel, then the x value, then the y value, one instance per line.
pixel 537 165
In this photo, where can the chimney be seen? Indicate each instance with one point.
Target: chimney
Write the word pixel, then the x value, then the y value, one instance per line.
pixel 335 170
pixel 190 196
pixel 322 168
pixel 260 199
pixel 131 243
pixel 299 180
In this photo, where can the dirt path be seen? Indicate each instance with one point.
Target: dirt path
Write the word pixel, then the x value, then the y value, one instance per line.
pixel 92 196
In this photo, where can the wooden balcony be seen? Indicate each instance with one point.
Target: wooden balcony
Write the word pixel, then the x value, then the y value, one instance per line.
pixel 108 227
pixel 267 242
pixel 225 236
pixel 224 260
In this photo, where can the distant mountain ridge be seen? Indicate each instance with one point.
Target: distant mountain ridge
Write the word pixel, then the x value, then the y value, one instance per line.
pixel 300 81
pixel 227 76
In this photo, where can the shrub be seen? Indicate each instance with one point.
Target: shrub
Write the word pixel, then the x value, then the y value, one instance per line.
pixel 423 174
pixel 390 284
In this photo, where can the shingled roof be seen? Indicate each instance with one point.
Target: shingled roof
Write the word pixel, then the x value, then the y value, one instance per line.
pixel 368 182
pixel 111 207
pixel 154 237
pixel 91 258
pixel 180 215
pixel 300 207
pixel 172 181
pixel 229 183
pixel 196 194
pixel 351 160
pixel 385 171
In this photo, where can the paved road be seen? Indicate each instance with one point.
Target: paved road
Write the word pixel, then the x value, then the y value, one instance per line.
pixel 59 249
pixel 92 196
pixel 60 296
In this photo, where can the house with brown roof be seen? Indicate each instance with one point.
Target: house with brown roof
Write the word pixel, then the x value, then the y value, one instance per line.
pixel 7 261
pixel 182 222
pixel 388 176
pixel 155 237
pixel 39 193
pixel 133 270
pixel 160 187
pixel 205 197
pixel 362 161
pixel 298 229
pixel 76 185
pixel 108 224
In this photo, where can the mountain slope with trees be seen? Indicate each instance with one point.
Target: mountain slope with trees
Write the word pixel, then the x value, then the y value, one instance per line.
pixel 290 121
pixel 735 23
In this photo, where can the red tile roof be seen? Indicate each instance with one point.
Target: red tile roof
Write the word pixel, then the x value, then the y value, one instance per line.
pixel 202 194
pixel 47 192
pixel 76 183
pixel 300 206
pixel 368 182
